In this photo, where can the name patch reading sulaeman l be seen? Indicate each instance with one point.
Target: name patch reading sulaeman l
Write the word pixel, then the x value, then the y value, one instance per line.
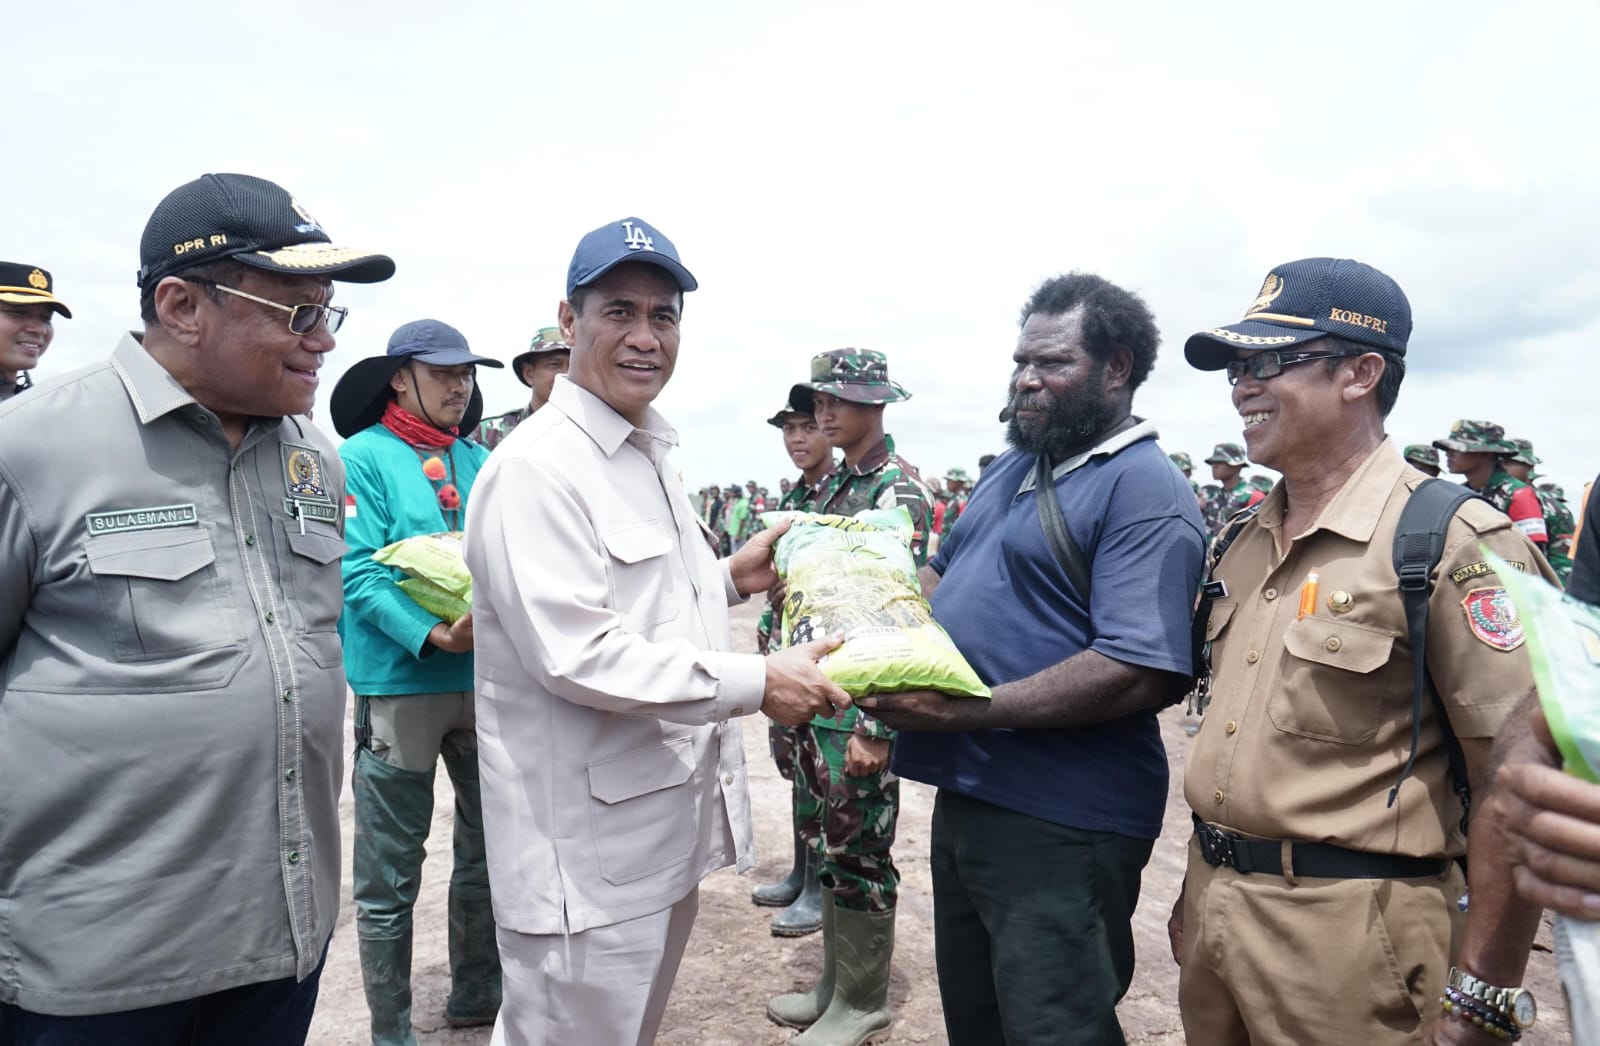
pixel 158 517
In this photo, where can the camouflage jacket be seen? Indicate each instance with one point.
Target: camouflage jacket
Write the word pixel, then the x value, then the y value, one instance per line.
pixel 1226 504
pixel 882 479
pixel 1520 501
pixel 491 431
pixel 1559 525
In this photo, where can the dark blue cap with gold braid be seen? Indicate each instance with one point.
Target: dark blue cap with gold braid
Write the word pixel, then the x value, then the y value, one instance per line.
pixel 254 222
pixel 1308 299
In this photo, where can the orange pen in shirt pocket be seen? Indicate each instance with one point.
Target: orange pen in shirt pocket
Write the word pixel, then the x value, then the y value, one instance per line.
pixel 1308 596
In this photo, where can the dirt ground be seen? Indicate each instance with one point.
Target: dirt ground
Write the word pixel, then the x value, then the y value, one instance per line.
pixel 733 964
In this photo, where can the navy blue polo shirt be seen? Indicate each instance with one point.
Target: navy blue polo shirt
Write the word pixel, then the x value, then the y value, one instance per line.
pixel 1010 609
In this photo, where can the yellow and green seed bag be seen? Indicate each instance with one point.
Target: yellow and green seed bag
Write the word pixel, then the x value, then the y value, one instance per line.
pixel 855 574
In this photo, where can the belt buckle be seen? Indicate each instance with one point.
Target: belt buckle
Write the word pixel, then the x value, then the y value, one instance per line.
pixel 1216 846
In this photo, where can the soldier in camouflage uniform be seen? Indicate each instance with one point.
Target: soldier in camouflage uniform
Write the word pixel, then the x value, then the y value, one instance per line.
pixel 537 368
pixel 800 892
pixel 853 799
pixel 1227 461
pixel 1475 449
pixel 1185 465
pixel 1559 524
pixel 1423 458
pixel 1261 483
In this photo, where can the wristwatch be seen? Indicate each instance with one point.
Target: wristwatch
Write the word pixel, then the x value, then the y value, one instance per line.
pixel 1515 1004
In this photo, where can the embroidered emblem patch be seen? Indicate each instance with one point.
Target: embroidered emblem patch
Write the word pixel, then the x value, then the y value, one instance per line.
pixel 38 281
pixel 1270 290
pixel 1493 618
pixel 303 477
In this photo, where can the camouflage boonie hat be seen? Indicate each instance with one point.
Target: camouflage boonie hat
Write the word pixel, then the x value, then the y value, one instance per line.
pixel 1476 437
pixel 788 411
pixel 1182 460
pixel 1228 454
pixel 853 375
pixel 548 339
pixel 1553 489
pixel 1421 454
pixel 1262 483
pixel 958 475
pixel 1524 454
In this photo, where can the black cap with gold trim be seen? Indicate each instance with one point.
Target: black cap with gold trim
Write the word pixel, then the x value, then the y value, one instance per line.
pixel 29 285
pixel 1307 299
pixel 252 221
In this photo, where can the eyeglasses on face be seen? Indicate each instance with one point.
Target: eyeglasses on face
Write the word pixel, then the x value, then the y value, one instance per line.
pixel 1271 363
pixel 303 319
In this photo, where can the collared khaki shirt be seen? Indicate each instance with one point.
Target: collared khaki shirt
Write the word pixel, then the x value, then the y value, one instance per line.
pixel 1310 718
pixel 171 694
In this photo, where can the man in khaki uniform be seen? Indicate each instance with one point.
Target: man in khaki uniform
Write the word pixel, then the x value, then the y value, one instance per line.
pixel 1321 901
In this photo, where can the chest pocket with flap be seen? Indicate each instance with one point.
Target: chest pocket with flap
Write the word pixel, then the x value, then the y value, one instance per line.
pixel 1337 672
pixel 161 593
pixel 313 577
pixel 641 573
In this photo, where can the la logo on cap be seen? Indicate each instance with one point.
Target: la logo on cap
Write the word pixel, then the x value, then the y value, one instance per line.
pixel 635 239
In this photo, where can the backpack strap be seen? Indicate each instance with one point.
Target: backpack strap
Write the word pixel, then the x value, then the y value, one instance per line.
pixel 1418 547
pixel 1210 591
pixel 1069 555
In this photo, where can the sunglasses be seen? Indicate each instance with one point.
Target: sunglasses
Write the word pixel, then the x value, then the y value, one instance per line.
pixel 303 319
pixel 1270 364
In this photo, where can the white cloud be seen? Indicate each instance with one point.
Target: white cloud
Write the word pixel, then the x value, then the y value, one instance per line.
pixel 892 175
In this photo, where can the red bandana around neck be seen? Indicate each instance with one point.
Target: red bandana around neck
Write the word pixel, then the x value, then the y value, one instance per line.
pixel 413 430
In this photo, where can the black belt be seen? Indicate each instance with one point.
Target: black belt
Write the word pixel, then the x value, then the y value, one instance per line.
pixel 1312 860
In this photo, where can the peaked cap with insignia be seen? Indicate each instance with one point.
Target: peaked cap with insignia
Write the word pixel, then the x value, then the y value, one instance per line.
pixel 29 285
pixel 252 221
pixel 1307 299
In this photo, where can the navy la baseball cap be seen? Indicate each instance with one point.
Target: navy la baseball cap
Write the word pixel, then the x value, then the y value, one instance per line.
pixel 1307 299
pixel 628 240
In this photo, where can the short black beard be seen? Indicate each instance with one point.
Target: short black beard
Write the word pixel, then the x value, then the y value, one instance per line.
pixel 1070 427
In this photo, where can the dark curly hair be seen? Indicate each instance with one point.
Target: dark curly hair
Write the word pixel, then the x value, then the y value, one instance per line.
pixel 1111 317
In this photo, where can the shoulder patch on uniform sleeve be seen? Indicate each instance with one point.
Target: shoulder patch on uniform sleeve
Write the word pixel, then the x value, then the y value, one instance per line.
pixel 1493 618
pixel 1482 569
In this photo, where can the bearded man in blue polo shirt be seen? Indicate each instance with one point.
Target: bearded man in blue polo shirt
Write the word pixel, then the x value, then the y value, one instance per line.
pixel 1051 794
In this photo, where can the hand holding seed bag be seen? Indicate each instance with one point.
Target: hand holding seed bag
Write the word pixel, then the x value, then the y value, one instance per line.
pixel 1553 820
pixel 437 578
pixel 854 574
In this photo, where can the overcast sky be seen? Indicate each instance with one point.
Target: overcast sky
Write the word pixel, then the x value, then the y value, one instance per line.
pixel 895 176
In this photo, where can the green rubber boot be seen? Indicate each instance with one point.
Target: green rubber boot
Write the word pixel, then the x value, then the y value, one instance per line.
pixel 782 893
pixel 859 1011
pixel 801 1009
pixel 386 975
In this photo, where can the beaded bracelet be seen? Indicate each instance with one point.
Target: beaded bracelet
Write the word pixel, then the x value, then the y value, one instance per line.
pixel 1475 1012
